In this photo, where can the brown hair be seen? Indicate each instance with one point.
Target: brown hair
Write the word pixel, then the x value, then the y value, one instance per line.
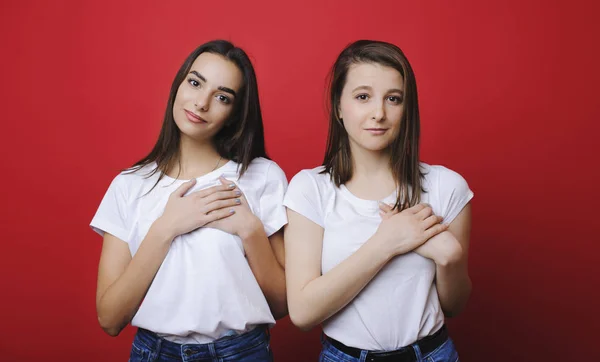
pixel 241 140
pixel 404 150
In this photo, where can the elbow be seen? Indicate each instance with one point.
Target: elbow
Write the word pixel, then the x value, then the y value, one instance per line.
pixel 109 325
pixel 301 320
pixel 279 311
pixel 459 307
pixel 109 328
pixel 451 313
pixel 113 332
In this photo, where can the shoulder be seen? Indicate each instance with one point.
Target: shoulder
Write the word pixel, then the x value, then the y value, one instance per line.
pixel 313 178
pixel 133 180
pixel 442 178
pixel 268 169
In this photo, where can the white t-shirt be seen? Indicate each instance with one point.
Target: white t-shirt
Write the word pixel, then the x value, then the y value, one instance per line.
pixel 204 288
pixel 400 305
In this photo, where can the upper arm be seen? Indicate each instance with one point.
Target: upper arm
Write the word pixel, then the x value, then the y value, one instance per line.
pixel 455 206
pixel 460 228
pixel 276 241
pixel 303 245
pixel 114 258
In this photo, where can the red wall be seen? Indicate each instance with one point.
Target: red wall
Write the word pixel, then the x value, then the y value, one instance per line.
pixel 509 98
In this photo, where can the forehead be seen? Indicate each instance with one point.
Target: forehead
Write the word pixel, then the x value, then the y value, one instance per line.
pixel 373 75
pixel 218 71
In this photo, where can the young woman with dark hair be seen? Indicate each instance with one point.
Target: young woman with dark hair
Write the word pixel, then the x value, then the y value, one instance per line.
pixel 193 248
pixel 377 241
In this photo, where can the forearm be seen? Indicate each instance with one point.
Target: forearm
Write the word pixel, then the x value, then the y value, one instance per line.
pixel 452 277
pixel 120 301
pixel 453 287
pixel 269 274
pixel 327 294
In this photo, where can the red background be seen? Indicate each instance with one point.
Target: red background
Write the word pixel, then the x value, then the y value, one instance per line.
pixel 508 94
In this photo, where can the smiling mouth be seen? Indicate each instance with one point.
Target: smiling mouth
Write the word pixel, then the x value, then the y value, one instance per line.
pixel 376 130
pixel 192 117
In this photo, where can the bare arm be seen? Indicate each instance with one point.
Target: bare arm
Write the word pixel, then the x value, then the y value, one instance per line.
pixel 123 281
pixel 265 255
pixel 449 250
pixel 312 297
pixel 452 275
pixel 266 259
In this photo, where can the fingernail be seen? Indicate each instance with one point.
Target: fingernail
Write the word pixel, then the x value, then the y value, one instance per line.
pixel 237 201
pixel 238 193
pixel 232 185
pixel 231 211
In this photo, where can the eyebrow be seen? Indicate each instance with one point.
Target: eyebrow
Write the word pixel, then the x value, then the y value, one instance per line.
pixel 366 87
pixel 221 88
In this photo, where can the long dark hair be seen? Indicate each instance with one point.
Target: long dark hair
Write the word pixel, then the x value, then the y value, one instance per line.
pixel 242 137
pixel 404 150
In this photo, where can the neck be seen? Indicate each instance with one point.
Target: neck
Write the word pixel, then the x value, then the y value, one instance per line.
pixel 195 159
pixel 369 164
pixel 371 174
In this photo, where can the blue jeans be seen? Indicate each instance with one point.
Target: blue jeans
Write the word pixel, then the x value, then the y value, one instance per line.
pixel 446 352
pixel 249 347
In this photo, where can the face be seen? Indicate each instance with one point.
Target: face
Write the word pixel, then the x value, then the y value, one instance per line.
pixel 372 105
pixel 206 97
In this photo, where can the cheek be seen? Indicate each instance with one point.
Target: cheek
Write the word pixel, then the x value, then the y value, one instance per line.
pixel 352 114
pixel 396 114
pixel 220 112
pixel 181 95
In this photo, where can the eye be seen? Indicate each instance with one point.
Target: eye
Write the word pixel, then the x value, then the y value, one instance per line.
pixel 395 99
pixel 223 99
pixel 362 97
pixel 193 82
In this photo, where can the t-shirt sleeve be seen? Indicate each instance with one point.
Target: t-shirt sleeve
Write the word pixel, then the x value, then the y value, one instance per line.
pixel 111 216
pixel 455 194
pixel 303 197
pixel 272 211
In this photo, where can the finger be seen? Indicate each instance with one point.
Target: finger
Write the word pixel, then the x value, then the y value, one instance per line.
pixel 220 214
pixel 222 195
pixel 436 229
pixel 431 221
pixel 225 181
pixel 220 204
pixel 426 212
pixel 384 207
pixel 415 209
pixel 213 189
pixel 184 187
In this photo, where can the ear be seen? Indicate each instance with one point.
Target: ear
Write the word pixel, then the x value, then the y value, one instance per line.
pixel 339 112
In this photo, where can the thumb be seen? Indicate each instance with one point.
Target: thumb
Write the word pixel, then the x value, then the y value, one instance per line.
pixel 185 187
pixel 384 207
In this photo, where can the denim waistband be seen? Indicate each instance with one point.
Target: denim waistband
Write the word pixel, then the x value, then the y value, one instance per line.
pixel 220 348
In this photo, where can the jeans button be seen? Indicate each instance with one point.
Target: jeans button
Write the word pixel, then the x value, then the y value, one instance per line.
pixel 188 352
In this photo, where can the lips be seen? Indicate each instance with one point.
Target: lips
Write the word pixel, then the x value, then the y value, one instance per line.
pixel 376 131
pixel 193 117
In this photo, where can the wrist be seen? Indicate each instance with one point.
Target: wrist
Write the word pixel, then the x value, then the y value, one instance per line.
pixel 251 228
pixel 449 254
pixel 162 230
pixel 381 248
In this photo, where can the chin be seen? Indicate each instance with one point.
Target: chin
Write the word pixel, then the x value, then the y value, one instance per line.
pixel 376 147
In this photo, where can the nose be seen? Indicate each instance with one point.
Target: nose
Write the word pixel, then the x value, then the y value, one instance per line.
pixel 379 112
pixel 202 101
